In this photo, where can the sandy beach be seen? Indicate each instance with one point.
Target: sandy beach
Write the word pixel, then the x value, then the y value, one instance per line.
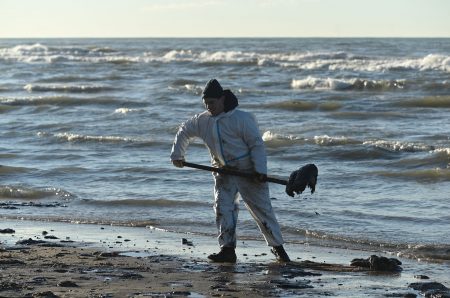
pixel 43 259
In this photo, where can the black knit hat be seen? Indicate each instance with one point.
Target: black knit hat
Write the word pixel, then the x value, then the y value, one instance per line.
pixel 212 89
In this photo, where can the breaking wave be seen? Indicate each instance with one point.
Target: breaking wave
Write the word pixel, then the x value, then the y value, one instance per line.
pixel 303 60
pixel 278 140
pixel 349 84
pixel 274 140
pixel 63 78
pixel 80 138
pixel 326 140
pixel 71 137
pixel 397 146
pixel 67 88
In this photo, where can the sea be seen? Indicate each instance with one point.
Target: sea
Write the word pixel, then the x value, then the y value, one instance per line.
pixel 87 125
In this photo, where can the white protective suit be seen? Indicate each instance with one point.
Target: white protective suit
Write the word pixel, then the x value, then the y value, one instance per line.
pixel 233 140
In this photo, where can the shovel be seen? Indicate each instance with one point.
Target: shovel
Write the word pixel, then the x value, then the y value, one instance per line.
pixel 297 182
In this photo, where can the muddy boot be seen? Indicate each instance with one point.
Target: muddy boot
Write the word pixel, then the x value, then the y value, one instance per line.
pixel 280 254
pixel 226 255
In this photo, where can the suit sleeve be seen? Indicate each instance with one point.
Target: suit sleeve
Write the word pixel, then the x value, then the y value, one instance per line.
pixel 256 146
pixel 186 132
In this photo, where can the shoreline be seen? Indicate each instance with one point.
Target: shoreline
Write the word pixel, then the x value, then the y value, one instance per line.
pixel 81 260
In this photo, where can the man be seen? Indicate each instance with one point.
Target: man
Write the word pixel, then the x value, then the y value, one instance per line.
pixel 234 141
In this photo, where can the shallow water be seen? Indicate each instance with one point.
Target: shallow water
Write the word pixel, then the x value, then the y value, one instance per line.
pixel 87 126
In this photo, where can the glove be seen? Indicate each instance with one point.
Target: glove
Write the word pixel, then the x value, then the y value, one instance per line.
pixel 178 163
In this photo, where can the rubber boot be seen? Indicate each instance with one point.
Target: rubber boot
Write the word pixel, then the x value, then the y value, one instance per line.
pixel 280 254
pixel 226 255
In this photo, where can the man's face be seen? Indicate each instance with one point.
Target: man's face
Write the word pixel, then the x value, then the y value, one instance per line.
pixel 214 105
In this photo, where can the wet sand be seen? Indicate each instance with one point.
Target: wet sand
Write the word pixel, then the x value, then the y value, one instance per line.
pixel 64 260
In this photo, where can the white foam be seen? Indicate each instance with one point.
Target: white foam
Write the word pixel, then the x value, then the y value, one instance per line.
pixel 434 61
pixel 278 140
pixel 36 48
pixel 65 88
pixel 325 140
pixel 397 146
pixel 125 111
pixel 319 83
pixel 71 137
pixel 303 60
pixel 441 150
pixel 345 84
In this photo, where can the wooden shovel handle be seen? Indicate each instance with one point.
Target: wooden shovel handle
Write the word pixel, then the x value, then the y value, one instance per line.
pixel 226 171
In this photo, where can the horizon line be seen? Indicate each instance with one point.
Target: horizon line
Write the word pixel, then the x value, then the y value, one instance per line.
pixel 209 37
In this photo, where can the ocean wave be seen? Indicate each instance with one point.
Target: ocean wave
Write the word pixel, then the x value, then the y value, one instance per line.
pixel 427 252
pixel 326 140
pixel 434 86
pixel 194 89
pixel 386 217
pixel 364 115
pixel 32 193
pixel 184 82
pixel 437 158
pixel 346 84
pixel 426 102
pixel 78 78
pixel 80 138
pixel 8 155
pixel 89 221
pixel 421 175
pixel 218 57
pixel 275 140
pixel 103 49
pixel 146 203
pixel 398 146
pixel 67 88
pixel 71 137
pixel 61 100
pixel 127 111
pixel 301 105
pixel 293 105
pixel 308 60
pixel 5 170
pixel 443 151
pixel 39 53
pixel 5 108
pixel 426 63
pixel 438 253
pixel 363 147
pixel 324 238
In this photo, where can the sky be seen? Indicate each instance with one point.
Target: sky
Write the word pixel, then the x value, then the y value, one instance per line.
pixel 224 18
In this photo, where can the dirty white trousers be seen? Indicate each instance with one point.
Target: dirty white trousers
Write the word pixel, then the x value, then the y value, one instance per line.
pixel 256 198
